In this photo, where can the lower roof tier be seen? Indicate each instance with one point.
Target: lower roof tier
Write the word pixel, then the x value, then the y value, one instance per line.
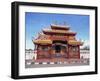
pixel 74 42
pixel 42 41
pixel 47 42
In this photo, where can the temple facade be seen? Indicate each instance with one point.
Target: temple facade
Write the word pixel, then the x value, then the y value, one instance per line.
pixel 57 42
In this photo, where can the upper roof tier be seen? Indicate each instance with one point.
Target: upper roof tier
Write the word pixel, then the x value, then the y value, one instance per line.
pixel 49 31
pixel 59 27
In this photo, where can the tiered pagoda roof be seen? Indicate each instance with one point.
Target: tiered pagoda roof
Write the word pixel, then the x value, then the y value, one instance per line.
pixel 57 29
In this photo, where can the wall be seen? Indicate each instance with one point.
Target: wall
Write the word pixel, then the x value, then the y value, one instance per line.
pixel 5 40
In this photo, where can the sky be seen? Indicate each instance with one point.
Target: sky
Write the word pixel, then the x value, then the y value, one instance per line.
pixel 35 22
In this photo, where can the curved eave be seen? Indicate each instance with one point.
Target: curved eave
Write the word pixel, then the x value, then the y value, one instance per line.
pixel 58 32
pixel 60 27
pixel 74 42
pixel 44 42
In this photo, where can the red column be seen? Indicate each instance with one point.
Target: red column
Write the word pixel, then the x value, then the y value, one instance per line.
pixel 37 52
pixel 50 51
pixel 78 51
pixel 68 51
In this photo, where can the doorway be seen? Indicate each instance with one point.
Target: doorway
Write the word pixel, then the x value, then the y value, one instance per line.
pixel 57 48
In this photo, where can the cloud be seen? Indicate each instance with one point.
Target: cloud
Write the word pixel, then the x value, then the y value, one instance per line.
pixel 86 43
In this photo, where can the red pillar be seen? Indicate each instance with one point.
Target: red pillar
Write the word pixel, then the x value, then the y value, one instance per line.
pixel 68 51
pixel 37 52
pixel 78 51
pixel 50 51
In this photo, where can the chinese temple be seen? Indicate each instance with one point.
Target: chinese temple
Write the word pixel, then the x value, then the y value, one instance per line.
pixel 57 42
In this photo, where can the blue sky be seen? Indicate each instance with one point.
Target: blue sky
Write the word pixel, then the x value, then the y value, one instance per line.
pixel 35 22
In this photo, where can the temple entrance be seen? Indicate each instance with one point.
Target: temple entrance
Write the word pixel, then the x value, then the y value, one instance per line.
pixel 60 49
pixel 57 48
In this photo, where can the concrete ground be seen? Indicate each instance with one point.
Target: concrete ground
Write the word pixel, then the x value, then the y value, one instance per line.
pixel 57 64
pixel 52 65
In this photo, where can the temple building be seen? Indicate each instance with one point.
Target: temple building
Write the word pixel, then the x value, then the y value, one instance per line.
pixel 57 42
